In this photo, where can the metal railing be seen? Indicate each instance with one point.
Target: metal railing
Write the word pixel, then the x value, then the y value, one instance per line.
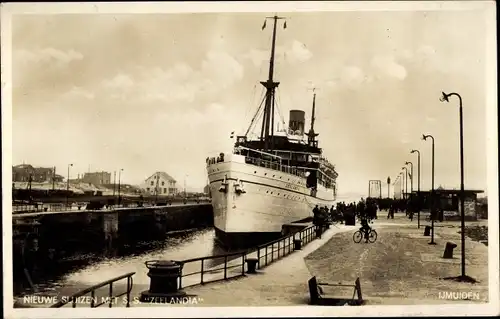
pixel 73 299
pixel 55 207
pixel 208 274
pixel 265 254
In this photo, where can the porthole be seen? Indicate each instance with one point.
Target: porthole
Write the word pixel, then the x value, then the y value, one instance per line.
pixel 265 174
pixel 271 193
pixel 267 191
pixel 255 172
pixel 273 175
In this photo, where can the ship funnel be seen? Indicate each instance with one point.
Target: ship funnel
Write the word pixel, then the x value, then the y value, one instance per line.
pixel 296 122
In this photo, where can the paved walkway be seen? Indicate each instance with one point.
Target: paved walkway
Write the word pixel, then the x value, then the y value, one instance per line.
pixel 399 268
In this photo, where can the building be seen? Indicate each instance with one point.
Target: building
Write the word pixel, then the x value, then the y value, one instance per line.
pixel 97 178
pixel 449 202
pixel 160 183
pixel 23 172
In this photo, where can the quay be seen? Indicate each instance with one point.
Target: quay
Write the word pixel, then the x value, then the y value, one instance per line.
pixel 399 268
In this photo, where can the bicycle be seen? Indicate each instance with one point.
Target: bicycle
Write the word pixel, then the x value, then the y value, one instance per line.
pixel 358 236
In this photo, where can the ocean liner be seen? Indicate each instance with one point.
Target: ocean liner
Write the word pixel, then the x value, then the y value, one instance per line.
pixel 269 181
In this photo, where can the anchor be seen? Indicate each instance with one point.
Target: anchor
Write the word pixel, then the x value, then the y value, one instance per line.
pixel 223 188
pixel 238 187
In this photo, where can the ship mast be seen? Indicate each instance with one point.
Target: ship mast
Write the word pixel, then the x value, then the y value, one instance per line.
pixel 311 135
pixel 270 85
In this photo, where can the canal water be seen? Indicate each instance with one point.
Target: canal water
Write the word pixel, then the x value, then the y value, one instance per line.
pixel 91 270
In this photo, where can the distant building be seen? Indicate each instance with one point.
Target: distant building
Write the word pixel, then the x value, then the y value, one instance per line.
pixel 23 172
pixel 97 178
pixel 448 200
pixel 160 183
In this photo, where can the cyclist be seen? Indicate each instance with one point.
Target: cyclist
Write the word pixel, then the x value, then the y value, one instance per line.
pixel 365 228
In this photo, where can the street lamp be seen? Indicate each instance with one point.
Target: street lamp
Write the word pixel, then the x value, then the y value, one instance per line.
pixel 156 188
pixel 425 137
pixel 411 176
pixel 119 178
pixel 418 184
pixel 445 98
pixel 67 187
pixel 402 185
pixel 406 178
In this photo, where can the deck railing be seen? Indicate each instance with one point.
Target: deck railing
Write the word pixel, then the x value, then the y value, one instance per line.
pixel 232 265
pixel 73 299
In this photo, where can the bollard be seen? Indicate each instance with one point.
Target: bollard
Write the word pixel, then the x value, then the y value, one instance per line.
pixel 251 265
pixel 297 244
pixel 427 231
pixel 163 286
pixel 448 250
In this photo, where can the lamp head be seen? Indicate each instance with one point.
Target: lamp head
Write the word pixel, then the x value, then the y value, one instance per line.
pixel 407 163
pixel 413 151
pixel 444 97
pixel 424 137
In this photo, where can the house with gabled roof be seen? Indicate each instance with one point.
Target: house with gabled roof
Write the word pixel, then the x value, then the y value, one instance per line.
pixel 161 184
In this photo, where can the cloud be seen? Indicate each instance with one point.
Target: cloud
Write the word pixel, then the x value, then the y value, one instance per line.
pixel 120 81
pixel 218 71
pixel 298 53
pixel 48 55
pixel 294 53
pixel 352 75
pixel 388 66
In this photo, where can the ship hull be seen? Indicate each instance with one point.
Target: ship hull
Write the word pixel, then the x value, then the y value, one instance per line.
pixel 252 203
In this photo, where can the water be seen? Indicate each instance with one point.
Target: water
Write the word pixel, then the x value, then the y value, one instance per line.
pixel 187 245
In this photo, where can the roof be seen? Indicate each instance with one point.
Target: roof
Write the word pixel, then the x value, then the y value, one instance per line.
pixel 164 175
pixel 32 168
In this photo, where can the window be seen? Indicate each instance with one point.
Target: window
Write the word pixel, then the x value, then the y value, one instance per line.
pixel 152 183
pixel 147 189
pixel 162 183
pixel 164 190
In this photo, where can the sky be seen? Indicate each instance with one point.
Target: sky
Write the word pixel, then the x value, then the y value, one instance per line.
pixel 161 92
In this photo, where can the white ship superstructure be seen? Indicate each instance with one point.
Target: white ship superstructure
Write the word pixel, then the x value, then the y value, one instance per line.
pixel 271 181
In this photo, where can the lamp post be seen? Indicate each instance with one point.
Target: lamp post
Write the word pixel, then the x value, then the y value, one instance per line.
pixel 114 183
pixel 411 176
pixel 418 184
pixel 156 187
pixel 425 137
pixel 406 178
pixel 119 180
pixel 402 185
pixel 445 98
pixel 67 186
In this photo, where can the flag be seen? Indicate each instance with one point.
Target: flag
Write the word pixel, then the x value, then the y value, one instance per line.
pixel 232 134
pixel 264 25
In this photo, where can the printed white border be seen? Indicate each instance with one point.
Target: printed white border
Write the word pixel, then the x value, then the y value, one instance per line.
pixel 7 10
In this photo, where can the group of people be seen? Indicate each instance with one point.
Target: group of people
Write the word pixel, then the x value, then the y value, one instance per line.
pixel 364 210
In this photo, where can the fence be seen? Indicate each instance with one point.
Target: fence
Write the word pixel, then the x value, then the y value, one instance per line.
pixel 60 207
pixel 73 299
pixel 232 265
